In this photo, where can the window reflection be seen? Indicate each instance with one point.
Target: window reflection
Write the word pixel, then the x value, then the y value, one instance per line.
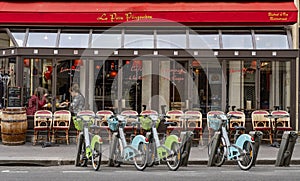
pixel 238 41
pixel 204 41
pixel 271 41
pixel 175 39
pixel 19 37
pixel 139 41
pixel 74 40
pixel 41 39
pixel 106 40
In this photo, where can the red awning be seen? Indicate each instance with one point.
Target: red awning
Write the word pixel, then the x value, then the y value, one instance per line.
pixel 105 13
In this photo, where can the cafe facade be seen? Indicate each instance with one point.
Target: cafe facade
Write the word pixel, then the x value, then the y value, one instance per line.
pixel 197 55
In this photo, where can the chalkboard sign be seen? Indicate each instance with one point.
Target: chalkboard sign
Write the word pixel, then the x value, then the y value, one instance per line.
pixel 14 97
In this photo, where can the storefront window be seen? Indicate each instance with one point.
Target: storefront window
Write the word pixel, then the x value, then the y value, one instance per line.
pixel 133 39
pixel 237 41
pixel 171 39
pixel 106 39
pixel 106 84
pixel 19 36
pixel 271 41
pixel 41 39
pixel 74 40
pixel 275 84
pixel 204 41
pixel 37 73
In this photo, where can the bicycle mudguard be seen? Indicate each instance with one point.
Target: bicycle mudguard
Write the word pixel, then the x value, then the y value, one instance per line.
pixel 137 140
pixel 96 139
pixel 242 139
pixel 170 140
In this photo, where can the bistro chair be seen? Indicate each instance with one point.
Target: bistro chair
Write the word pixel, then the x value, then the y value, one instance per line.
pixel 102 123
pixel 195 124
pixel 213 124
pixel 262 123
pixel 129 128
pixel 61 123
pixel 236 122
pixel 42 123
pixel 175 116
pixel 282 124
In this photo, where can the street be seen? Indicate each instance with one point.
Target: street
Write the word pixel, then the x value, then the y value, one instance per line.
pixel 161 172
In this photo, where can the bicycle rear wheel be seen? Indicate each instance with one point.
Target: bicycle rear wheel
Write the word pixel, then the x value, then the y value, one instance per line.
pixel 174 160
pixel 245 161
pixel 140 160
pixel 81 159
pixel 96 156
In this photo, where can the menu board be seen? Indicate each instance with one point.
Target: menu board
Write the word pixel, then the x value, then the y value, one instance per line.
pixel 14 97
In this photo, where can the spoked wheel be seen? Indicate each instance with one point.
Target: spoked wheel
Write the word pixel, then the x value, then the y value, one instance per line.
pixel 151 154
pixel 115 153
pixel 81 159
pixel 174 160
pixel 140 160
pixel 220 154
pixel 245 161
pixel 96 156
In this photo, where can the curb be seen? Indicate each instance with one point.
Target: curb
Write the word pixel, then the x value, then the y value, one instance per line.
pixel 105 162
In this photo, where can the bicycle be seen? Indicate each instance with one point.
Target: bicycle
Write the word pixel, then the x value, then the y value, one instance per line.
pixel 120 151
pixel 220 148
pixel 89 146
pixel 170 149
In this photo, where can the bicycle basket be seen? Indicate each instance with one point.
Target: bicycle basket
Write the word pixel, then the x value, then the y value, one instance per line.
pixel 78 123
pixel 214 123
pixel 146 123
pixel 113 124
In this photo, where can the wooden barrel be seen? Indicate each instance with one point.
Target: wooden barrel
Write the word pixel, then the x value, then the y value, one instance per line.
pixel 13 126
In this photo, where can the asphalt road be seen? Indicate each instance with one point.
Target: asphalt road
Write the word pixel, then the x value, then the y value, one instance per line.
pixel 157 173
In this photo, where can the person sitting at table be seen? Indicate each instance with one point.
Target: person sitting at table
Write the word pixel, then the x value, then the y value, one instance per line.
pixel 78 100
pixel 37 101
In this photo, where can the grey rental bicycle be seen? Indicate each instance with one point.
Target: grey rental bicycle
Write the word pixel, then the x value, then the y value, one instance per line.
pixel 220 148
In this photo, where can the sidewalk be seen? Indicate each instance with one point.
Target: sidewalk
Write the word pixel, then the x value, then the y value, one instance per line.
pixel 63 154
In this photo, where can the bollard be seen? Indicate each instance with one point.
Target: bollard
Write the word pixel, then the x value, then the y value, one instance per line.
pixel 257 140
pixel 215 143
pixel 186 140
pixel 286 148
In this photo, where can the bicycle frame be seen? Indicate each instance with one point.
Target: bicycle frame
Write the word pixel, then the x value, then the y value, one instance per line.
pixel 129 151
pixel 163 150
pixel 233 151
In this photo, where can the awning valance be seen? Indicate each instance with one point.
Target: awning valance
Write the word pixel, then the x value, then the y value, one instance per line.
pixel 105 13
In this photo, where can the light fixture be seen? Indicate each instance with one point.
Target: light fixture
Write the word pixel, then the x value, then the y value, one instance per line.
pixel 45 37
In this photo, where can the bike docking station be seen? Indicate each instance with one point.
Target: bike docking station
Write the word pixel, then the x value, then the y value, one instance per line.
pixel 215 143
pixel 186 140
pixel 257 135
pixel 286 148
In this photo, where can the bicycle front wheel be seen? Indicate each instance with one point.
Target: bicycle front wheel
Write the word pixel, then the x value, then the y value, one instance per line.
pixel 219 157
pixel 174 160
pixel 96 156
pixel 81 159
pixel 151 154
pixel 245 161
pixel 140 160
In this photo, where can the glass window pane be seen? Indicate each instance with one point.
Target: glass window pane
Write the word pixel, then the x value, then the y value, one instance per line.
pixel 240 41
pixel 19 36
pixel 106 40
pixel 139 40
pixel 169 39
pixel 271 41
pixel 204 41
pixel 43 39
pixel 74 40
